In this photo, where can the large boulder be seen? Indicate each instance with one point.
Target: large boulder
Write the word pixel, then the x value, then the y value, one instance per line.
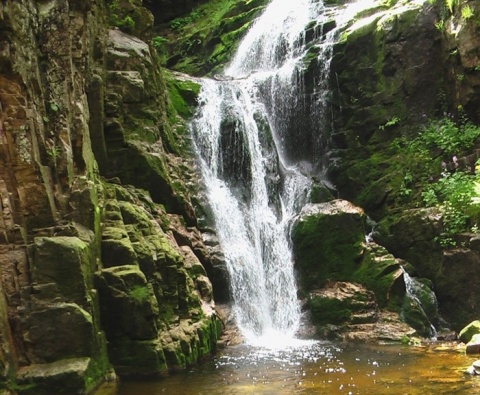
pixel 467 333
pixel 328 242
pixel 456 286
pixel 473 346
pixel 348 311
pixel 386 77
pixel 411 235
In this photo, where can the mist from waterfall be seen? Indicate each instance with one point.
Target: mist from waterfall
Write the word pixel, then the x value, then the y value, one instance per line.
pixel 258 146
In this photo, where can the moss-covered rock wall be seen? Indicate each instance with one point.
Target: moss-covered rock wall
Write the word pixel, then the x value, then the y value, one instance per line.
pixel 97 278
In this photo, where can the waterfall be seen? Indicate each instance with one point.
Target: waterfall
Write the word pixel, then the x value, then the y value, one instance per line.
pixel 258 149
pixel 413 289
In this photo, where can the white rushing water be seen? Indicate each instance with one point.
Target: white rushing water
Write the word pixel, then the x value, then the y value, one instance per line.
pixel 244 134
pixel 414 288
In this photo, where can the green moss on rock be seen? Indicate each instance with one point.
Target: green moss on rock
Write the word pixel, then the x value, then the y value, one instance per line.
pixel 328 242
pixel 469 331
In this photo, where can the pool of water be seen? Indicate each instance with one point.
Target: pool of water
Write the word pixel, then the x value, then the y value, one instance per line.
pixel 317 368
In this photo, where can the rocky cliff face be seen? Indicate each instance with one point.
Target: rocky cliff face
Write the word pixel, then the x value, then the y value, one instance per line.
pixel 394 69
pixel 94 275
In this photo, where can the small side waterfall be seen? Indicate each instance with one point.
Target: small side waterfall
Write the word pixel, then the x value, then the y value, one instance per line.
pixel 258 146
pixel 414 289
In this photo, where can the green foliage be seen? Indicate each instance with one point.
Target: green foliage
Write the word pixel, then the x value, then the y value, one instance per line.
pixel 388 3
pixel 127 24
pixel 446 136
pixel 450 4
pixel 118 19
pixel 467 12
pixel 178 23
pixel 158 41
pixel 424 165
pixel 440 25
pixel 139 293
pixel 53 153
pixel 391 122
pixel 453 194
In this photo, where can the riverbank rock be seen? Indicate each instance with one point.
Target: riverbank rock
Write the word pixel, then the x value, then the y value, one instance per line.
pixel 474 369
pixel 348 312
pixel 469 331
pixel 473 346
pixel 342 303
pixel 81 101
pixel 156 301
pixel 330 248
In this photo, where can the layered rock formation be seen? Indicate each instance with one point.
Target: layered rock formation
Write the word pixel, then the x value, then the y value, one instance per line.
pixel 87 262
pixel 392 70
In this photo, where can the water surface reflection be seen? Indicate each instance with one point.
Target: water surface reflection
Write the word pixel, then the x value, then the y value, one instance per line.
pixel 319 368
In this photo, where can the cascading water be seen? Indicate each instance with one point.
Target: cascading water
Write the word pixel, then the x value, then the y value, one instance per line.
pixel 413 289
pixel 256 152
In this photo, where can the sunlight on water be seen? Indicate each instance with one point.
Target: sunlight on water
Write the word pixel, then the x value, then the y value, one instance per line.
pixel 320 369
pixel 275 340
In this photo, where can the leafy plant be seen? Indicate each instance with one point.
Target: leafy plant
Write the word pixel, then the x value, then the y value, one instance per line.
pixel 53 153
pixel 127 24
pixel 440 25
pixel 158 41
pixel 118 18
pixel 447 137
pixel 391 122
pixel 467 12
pixel 456 193
pixel 177 23
pixel 450 5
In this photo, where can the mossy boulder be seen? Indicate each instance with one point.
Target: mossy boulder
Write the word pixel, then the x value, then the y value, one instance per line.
pixel 456 287
pixel 328 242
pixel 67 376
pixel 411 235
pixel 157 310
pixel 341 303
pixel 471 329
pixel 380 272
pixel 128 305
pixel 59 331
pixel 206 38
pixel 63 263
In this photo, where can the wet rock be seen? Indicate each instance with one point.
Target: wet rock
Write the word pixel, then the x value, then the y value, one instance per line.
pixel 67 376
pixel 342 303
pixel 476 367
pixel 473 346
pixel 328 241
pixel 58 331
pixel 410 235
pixel 348 311
pixel 456 286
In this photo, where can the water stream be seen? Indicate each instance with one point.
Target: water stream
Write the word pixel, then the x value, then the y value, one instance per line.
pixel 257 153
